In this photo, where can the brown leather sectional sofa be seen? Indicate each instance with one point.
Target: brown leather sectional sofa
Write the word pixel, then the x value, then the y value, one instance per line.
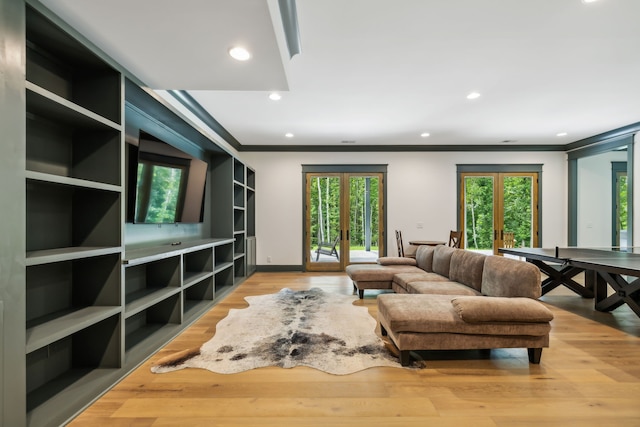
pixel 449 299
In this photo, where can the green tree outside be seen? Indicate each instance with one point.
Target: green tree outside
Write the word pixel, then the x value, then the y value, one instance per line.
pixel 479 213
pixel 325 210
pixel 163 185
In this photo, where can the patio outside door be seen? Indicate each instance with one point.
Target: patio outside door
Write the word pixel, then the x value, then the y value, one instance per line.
pixel 498 210
pixel 342 219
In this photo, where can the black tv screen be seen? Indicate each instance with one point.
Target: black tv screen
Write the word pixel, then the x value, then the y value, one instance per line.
pixel 169 184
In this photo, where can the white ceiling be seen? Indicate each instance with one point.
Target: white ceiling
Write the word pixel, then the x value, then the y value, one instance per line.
pixel 381 72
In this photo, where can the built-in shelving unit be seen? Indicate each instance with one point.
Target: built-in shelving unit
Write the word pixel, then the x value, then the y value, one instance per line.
pixel 167 286
pixel 95 306
pixel 239 218
pixel 74 199
pixel 251 221
pixel 244 219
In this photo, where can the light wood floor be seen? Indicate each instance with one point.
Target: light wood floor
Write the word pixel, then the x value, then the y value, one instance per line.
pixel 590 376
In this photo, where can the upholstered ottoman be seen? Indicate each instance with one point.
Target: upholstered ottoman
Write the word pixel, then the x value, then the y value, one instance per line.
pixel 378 276
pixel 446 322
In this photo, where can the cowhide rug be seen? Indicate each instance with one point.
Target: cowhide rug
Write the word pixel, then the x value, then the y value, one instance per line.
pixel 291 328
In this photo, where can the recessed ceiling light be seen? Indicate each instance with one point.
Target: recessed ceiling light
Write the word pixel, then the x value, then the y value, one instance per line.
pixel 275 96
pixel 589 1
pixel 425 134
pixel 473 95
pixel 288 135
pixel 562 134
pixel 239 53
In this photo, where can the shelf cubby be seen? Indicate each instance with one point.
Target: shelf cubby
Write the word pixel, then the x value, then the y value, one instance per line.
pixel 197 265
pixel 223 257
pixel 64 148
pixel 151 283
pixel 251 179
pixel 238 220
pixel 238 245
pixel 223 281
pixel 238 171
pixel 62 65
pixel 239 267
pixel 238 196
pixel 66 216
pixel 198 296
pixel 251 213
pixel 146 324
pixel 52 370
pixel 63 297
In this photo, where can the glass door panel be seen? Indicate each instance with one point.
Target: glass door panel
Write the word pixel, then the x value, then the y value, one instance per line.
pixel 620 210
pixel 364 218
pixel 324 221
pixel 343 224
pixel 518 208
pixel 499 210
pixel 479 202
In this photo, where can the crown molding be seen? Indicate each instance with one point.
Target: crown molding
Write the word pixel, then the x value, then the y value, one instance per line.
pixel 397 148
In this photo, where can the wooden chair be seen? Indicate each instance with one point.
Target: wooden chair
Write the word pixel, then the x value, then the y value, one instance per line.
pixel 401 251
pixel 399 243
pixel 454 238
pixel 508 239
pixel 327 248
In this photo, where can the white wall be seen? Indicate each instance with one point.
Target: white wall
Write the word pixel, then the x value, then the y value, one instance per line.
pixel 421 187
pixel 594 198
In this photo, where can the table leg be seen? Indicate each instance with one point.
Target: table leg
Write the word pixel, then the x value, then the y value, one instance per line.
pixel 625 292
pixel 562 276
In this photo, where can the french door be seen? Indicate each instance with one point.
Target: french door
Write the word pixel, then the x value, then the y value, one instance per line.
pixel 343 224
pixel 498 210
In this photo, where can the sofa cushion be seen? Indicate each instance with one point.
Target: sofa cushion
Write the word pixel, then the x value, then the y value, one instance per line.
pixel 508 277
pixel 373 284
pixel 482 309
pixel 424 257
pixel 435 314
pixel 439 288
pixel 442 259
pixel 403 279
pixel 376 272
pixel 466 267
pixel 396 260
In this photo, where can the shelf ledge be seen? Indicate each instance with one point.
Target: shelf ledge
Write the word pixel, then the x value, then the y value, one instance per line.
pixel 71 107
pixel 191 279
pixel 73 182
pixel 148 297
pixel 54 330
pixel 154 253
pixel 47 256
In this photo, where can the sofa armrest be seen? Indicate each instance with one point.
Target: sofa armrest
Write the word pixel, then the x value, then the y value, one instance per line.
pixel 396 260
pixel 483 309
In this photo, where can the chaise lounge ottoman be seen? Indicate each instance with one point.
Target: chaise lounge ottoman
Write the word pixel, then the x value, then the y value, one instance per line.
pixel 442 322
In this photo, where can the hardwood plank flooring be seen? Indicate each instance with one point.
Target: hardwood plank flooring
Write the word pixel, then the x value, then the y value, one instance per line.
pixel 589 377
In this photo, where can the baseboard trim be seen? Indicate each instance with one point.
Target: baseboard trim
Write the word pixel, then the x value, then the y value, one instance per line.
pixel 278 268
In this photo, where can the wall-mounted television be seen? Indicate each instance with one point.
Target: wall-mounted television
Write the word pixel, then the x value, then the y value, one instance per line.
pixel 166 185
